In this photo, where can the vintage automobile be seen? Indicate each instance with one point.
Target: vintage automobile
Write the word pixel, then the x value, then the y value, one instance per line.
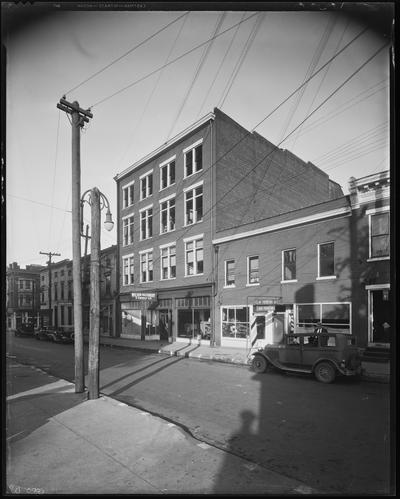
pixel 325 355
pixel 26 329
pixel 54 334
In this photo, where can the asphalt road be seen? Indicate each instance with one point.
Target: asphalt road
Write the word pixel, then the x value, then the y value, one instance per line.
pixel 333 437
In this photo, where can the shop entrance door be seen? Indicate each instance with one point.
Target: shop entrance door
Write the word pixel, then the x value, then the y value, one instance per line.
pixel 380 317
pixel 164 321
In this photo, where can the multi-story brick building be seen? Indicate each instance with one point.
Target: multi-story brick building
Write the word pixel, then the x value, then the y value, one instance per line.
pixel 326 263
pixel 61 288
pixel 212 177
pixel 22 294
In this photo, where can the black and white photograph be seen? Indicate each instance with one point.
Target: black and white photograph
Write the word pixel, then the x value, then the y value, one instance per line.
pixel 198 231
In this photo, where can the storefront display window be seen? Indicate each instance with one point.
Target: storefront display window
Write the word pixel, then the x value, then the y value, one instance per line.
pixel 332 315
pixel 235 322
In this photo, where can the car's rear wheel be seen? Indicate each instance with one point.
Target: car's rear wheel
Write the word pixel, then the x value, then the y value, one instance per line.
pixel 259 364
pixel 325 372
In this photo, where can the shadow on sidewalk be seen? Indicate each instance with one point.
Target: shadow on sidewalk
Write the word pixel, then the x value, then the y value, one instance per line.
pixel 26 413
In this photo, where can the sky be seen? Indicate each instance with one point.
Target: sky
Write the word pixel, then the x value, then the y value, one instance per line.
pixel 148 75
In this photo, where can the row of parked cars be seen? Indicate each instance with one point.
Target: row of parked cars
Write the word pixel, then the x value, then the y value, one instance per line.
pixel 54 334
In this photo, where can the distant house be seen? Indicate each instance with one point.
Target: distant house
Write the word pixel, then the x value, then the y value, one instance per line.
pixel 22 294
pixel 56 293
pixel 174 203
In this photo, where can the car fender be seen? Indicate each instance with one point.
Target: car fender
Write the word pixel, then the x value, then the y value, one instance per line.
pixel 331 361
pixel 269 359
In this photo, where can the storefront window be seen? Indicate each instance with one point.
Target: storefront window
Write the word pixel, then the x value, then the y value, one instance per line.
pixel 194 323
pixel 332 315
pixel 235 322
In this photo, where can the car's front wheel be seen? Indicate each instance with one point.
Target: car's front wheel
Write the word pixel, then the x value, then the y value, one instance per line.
pixel 259 364
pixel 325 372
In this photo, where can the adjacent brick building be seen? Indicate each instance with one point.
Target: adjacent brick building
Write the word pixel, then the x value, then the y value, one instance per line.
pixel 61 304
pixel 329 263
pixel 172 204
pixel 22 294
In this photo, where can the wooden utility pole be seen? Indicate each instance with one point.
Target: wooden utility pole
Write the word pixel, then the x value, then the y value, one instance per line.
pixel 79 117
pixel 49 254
pixel 94 332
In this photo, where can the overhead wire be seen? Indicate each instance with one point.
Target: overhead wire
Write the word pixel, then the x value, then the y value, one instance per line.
pixel 155 86
pixel 200 65
pixel 167 64
pixel 285 138
pixel 314 61
pixel 126 53
pixel 323 78
pixel 241 59
pixel 220 67
pixel 54 174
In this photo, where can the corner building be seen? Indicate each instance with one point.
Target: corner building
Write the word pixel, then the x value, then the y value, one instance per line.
pixel 172 204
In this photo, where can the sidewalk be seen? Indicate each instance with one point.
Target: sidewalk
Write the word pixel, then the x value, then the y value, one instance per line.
pixel 372 371
pixel 78 446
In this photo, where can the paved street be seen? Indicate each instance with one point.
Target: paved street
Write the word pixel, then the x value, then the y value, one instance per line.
pixel 333 437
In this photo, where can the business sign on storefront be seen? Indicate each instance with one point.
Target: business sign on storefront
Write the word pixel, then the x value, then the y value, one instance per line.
pixel 264 304
pixel 144 296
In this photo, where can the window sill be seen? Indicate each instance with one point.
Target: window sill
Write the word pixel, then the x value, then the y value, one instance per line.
pixel 144 199
pixel 166 187
pixel 167 232
pixel 192 174
pixel 326 278
pixel 194 223
pixel 168 279
pixel 378 258
pixel 289 281
pixel 252 284
pixel 194 275
pixel 143 240
pixel 232 286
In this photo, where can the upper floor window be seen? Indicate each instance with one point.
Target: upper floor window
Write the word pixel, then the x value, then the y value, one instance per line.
pixel 128 270
pixel 146 185
pixel 194 204
pixel 21 284
pixel 289 265
pixel 167 215
pixel 229 273
pixel 127 230
pixel 194 258
pixel 127 195
pixel 379 235
pixel 167 173
pixel 42 278
pixel 55 292
pixel 69 290
pixel 326 259
pixel 168 262
pixel 146 266
pixel 55 275
pixel 62 290
pixel 28 284
pixel 253 275
pixel 146 223
pixel 69 273
pixel 62 273
pixel 193 158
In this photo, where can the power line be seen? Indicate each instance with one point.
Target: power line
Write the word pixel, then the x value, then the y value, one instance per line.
pixel 241 59
pixel 169 63
pixel 285 138
pixel 126 53
pixel 154 88
pixel 200 65
pixel 220 66
pixel 37 202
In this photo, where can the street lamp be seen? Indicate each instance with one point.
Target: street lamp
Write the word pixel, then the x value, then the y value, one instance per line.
pixel 97 201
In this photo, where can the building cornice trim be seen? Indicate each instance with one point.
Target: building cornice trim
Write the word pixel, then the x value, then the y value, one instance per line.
pixel 318 217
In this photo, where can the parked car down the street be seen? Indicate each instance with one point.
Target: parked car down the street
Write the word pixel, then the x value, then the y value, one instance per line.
pixel 55 335
pixel 325 355
pixel 27 329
